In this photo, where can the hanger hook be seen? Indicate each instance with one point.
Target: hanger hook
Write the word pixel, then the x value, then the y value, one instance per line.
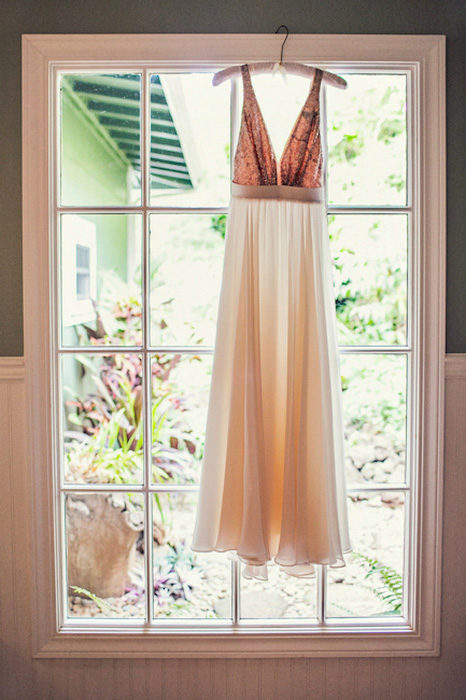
pixel 283 26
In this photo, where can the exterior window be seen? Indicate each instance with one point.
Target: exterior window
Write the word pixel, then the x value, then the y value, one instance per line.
pixel 141 164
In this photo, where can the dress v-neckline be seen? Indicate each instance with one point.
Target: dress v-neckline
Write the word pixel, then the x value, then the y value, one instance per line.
pixel 278 161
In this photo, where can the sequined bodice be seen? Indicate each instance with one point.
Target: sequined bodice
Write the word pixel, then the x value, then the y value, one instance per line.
pixel 301 162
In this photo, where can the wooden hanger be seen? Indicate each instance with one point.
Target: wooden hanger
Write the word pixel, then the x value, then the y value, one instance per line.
pixel 271 67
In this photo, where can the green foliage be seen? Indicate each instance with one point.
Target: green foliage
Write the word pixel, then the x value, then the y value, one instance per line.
pixel 108 455
pixel 175 574
pixel 109 446
pixel 369 271
pixel 367 141
pixel 388 582
pixel 218 224
pixel 348 149
pixel 375 395
pixel 390 129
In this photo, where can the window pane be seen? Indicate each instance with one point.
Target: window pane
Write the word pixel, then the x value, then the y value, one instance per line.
pixel 282 596
pixel 370 277
pixel 105 559
pixel 371 583
pixel 180 394
pixel 366 141
pixel 190 137
pixel 186 271
pixel 100 139
pixel 103 419
pixel 101 279
pixel 374 404
pixel 186 584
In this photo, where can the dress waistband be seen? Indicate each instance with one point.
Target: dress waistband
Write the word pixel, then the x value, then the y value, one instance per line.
pixel 302 194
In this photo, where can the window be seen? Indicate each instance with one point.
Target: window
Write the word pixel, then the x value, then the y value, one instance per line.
pixel 138 204
pixel 79 272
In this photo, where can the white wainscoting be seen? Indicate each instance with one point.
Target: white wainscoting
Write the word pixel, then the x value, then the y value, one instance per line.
pixel 22 678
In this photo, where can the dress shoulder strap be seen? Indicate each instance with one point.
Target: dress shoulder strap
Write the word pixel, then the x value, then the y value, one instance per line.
pixel 255 162
pixel 315 87
pixel 302 160
pixel 246 76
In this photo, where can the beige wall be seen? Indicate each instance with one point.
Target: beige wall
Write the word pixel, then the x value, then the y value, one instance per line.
pixel 23 678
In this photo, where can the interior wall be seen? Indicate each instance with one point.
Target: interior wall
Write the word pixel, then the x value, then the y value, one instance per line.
pixel 24 678
pixel 225 16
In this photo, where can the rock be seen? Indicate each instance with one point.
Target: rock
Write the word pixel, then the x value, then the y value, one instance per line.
pixel 382 452
pixel 101 542
pixel 392 499
pixel 361 454
pixel 353 475
pixel 254 604
pixel 397 475
pixel 336 576
pixel 374 471
pixel 159 534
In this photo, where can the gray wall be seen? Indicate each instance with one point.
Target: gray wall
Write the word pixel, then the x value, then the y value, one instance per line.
pixel 203 16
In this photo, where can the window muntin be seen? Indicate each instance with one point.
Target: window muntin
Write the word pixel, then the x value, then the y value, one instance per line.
pixel 188 337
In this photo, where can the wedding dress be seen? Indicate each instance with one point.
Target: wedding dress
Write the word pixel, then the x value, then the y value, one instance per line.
pixel 273 483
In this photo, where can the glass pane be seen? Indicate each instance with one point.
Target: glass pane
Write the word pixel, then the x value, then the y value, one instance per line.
pixel 282 596
pixel 101 279
pixel 100 139
pixel 190 141
pixel 186 584
pixel 105 557
pixel 186 257
pixel 372 581
pixel 370 258
pixel 102 419
pixel 180 394
pixel 366 140
pixel 374 404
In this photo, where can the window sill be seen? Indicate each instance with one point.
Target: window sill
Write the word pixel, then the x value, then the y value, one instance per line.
pixel 392 637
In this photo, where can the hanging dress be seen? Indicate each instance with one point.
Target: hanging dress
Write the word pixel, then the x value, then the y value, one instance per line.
pixel 273 483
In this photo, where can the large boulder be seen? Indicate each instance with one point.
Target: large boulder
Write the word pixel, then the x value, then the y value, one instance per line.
pixel 102 530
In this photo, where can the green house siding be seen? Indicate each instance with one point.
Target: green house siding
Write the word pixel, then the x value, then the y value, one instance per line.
pixel 93 172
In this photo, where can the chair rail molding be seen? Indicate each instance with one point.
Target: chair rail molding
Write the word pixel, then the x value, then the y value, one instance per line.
pixel 12 369
pixel 455 365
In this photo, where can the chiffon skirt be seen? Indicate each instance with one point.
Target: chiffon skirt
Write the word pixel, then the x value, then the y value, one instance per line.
pixel 273 483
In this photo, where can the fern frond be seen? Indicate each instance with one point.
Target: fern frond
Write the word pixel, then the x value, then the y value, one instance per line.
pixel 105 607
pixel 391 589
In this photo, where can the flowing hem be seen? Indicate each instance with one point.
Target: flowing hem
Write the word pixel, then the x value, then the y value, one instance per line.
pixel 257 569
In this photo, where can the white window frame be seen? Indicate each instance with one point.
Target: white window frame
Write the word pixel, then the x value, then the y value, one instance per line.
pixel 424 58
